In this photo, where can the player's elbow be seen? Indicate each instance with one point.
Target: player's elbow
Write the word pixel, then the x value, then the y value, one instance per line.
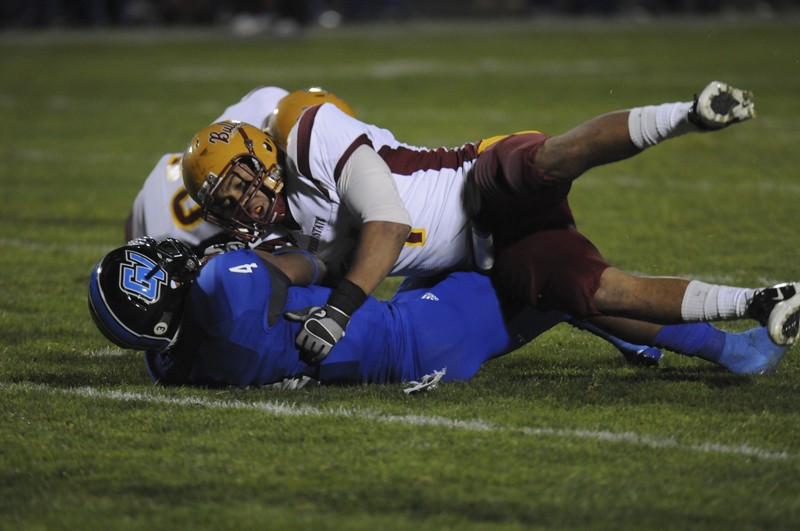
pixel 403 232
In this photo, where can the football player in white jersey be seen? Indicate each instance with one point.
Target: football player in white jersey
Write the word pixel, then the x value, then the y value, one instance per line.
pixel 370 206
pixel 163 208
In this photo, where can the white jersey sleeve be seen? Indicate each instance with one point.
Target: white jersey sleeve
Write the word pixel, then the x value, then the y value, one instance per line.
pixel 368 190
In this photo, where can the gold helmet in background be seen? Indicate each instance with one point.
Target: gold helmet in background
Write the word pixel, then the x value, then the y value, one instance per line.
pixel 225 167
pixel 291 106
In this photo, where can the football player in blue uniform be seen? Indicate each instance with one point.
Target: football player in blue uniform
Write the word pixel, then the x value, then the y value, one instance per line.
pixel 225 322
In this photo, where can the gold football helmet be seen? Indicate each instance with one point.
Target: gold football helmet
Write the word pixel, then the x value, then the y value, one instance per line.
pixel 231 170
pixel 291 106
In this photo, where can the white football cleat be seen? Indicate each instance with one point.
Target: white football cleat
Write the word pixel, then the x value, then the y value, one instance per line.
pixel 784 321
pixel 720 105
pixel 778 308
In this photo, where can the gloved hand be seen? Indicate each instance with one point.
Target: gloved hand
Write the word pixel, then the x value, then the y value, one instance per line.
pixel 322 328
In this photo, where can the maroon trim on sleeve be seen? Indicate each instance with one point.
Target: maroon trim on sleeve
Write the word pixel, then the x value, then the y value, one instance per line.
pixel 363 140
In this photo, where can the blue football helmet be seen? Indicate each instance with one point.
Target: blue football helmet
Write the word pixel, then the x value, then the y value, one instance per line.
pixel 136 292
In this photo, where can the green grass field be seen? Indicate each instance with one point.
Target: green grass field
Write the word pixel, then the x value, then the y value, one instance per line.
pixel 560 435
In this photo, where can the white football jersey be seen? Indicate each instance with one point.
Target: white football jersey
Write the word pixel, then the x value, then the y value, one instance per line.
pixel 163 208
pixel 430 184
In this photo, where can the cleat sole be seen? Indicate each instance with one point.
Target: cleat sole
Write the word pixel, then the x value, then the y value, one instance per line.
pixel 784 322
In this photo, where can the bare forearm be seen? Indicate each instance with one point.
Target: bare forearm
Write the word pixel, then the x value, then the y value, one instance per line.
pixel 379 246
pixel 301 267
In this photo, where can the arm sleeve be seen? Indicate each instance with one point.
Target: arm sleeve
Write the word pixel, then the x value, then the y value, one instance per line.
pixel 368 190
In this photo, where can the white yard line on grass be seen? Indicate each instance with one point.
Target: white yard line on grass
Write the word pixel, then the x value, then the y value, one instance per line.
pixel 476 425
pixel 403 69
pixel 49 245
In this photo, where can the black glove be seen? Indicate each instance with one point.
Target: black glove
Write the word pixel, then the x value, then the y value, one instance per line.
pixel 322 328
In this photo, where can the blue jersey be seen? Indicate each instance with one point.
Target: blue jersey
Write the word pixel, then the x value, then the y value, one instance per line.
pixel 233 331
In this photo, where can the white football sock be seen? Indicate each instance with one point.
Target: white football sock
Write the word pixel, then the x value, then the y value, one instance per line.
pixel 652 124
pixel 711 302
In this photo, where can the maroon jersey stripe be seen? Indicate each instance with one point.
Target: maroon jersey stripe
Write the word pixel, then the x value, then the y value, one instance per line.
pixel 404 161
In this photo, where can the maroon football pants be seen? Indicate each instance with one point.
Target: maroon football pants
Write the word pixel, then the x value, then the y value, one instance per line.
pixel 541 258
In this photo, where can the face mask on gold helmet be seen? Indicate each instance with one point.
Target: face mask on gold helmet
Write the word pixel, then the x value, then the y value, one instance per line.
pixel 290 107
pixel 231 170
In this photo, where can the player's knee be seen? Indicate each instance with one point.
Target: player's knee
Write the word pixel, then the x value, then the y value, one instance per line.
pixel 568 294
pixel 559 160
pixel 617 292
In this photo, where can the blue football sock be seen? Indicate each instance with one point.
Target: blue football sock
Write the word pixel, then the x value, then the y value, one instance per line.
pixel 692 339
